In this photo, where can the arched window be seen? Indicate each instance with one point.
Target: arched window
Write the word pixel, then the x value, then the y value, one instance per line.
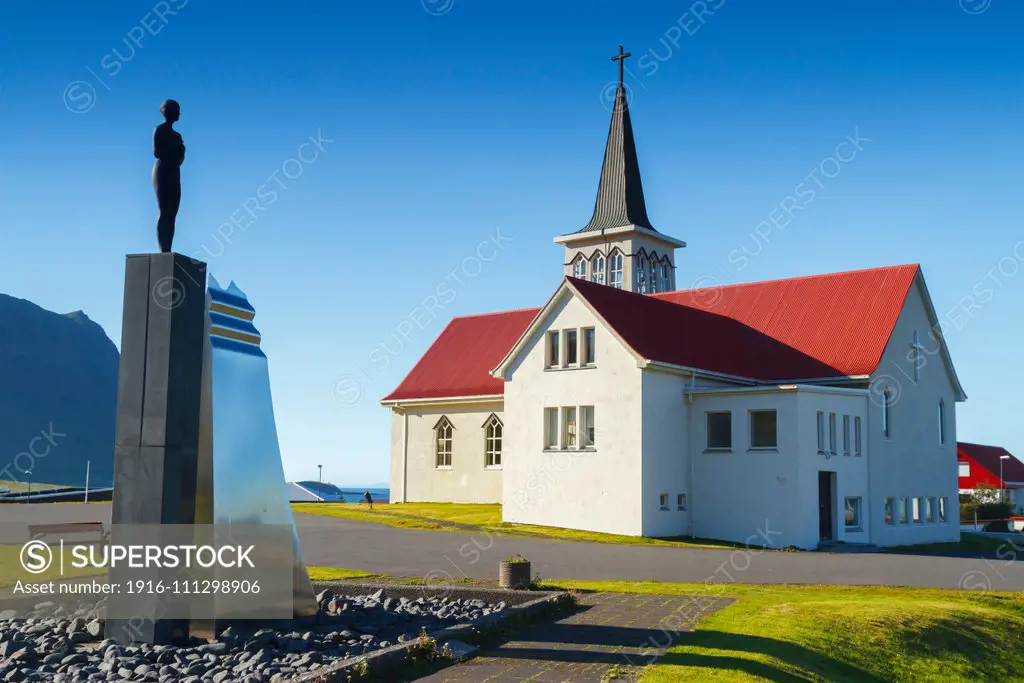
pixel 652 281
pixel 443 443
pixel 666 276
pixel 579 267
pixel 492 442
pixel 640 273
pixel 615 269
pixel 597 268
pixel 942 422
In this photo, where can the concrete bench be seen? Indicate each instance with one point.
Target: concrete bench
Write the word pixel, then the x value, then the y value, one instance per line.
pixel 38 531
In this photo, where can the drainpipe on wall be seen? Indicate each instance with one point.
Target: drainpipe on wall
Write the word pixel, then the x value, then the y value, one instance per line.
pixel 865 442
pixel 691 453
pixel 405 456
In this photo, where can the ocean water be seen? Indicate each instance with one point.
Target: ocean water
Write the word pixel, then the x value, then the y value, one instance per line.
pixel 347 494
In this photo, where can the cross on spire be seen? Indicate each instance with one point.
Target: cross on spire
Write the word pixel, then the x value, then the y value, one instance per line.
pixel 621 59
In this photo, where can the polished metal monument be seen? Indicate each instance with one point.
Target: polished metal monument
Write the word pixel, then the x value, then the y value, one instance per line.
pixel 240 475
pixel 196 437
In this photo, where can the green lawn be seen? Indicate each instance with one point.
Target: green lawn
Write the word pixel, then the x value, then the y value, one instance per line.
pixel 828 633
pixel 484 517
pixel 19 486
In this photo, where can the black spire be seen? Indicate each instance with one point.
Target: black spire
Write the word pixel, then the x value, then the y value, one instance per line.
pixel 620 194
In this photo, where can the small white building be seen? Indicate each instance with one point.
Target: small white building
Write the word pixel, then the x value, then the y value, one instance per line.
pixel 783 413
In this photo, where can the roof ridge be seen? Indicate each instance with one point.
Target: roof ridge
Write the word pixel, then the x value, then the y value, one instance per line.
pixel 480 315
pixel 795 278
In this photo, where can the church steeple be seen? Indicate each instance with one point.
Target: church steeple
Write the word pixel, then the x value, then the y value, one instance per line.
pixel 619 247
pixel 620 193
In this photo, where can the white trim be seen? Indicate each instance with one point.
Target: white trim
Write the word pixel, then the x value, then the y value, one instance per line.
pixel 443 400
pixel 621 230
pixel 933 318
pixel 840 391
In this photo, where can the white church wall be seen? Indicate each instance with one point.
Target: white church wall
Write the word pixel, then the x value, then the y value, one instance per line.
pixel 417 476
pixel 594 490
pixel 850 470
pixel 912 462
pixel 665 454
pixel 746 495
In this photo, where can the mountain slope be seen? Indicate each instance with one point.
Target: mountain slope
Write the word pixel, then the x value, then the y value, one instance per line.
pixel 58 395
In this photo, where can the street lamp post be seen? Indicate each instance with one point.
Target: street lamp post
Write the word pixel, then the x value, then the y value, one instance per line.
pixel 28 496
pixel 319 482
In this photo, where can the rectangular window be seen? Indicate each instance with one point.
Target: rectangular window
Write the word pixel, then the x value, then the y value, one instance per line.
pixel 904 502
pixel 587 420
pixel 942 510
pixel 932 504
pixel 821 432
pixel 890 511
pixel 552 349
pixel 942 423
pixel 852 513
pixel 916 353
pixel 832 433
pixel 965 468
pixel 918 510
pixel 719 431
pixel 663 501
pixel 588 346
pixel 551 428
pixel 856 436
pixel 846 434
pixel 569 427
pixel 763 429
pixel 571 348
pixel 681 501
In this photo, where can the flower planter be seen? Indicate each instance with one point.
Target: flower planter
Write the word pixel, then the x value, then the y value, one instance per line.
pixel 514 574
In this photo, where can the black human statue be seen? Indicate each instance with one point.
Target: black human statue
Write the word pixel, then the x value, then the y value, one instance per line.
pixel 169 150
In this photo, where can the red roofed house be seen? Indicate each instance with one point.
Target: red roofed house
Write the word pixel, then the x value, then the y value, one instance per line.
pixel 992 466
pixel 789 412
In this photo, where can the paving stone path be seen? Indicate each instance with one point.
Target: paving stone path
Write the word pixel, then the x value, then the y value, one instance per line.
pixel 610 632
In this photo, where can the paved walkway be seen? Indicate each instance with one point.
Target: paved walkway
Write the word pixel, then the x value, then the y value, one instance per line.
pixel 441 556
pixel 611 632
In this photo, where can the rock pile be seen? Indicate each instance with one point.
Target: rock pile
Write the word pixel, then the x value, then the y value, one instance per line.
pixel 67 648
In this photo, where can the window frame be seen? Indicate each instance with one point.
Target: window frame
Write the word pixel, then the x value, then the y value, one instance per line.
pixel 580 266
pixel 857 439
pixel 943 510
pixel 832 438
pixel 597 271
pixel 494 434
pixel 444 425
pixel 552 349
pixel 820 424
pixel 750 423
pixel 587 443
pixel 681 502
pixel 904 510
pixel 666 275
pixel 858 510
pixel 551 428
pixel 567 433
pixel 616 265
pixel 917 506
pixel 942 422
pixel 889 514
pixel 960 465
pixel 588 357
pixel 707 431
pixel 663 502
pixel 846 435
pixel 570 348
pixel 653 275
pixel 931 504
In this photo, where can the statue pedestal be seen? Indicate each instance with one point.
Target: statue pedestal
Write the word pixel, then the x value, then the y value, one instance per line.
pixel 158 410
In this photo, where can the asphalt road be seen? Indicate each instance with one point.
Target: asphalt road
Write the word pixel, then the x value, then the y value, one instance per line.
pixel 442 556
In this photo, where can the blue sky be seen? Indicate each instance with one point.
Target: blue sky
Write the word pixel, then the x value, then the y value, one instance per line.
pixel 442 124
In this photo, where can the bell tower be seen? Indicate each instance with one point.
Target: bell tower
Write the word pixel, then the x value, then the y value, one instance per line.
pixel 619 247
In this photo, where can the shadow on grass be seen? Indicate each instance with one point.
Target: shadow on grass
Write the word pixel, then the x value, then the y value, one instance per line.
pixel 805 661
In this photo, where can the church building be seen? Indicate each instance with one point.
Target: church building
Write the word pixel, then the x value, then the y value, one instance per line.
pixel 795 412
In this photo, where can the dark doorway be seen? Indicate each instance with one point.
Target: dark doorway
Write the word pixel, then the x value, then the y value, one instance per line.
pixel 825 505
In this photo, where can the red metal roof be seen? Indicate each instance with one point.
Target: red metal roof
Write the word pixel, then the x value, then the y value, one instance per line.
pixel 460 361
pixel 840 320
pixel 988 458
pixel 830 325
